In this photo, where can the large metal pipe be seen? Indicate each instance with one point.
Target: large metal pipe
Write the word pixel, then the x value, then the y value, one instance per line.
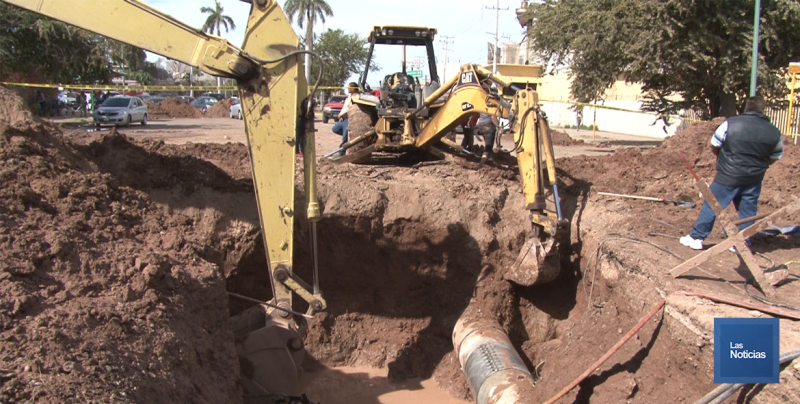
pixel 494 370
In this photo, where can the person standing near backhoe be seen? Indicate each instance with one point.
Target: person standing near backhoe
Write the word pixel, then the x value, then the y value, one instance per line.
pixel 745 146
pixel 340 127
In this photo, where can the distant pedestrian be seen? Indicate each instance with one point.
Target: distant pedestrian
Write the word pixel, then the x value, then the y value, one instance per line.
pixel 579 118
pixel 82 103
pixel 745 146
pixel 54 108
pixel 41 103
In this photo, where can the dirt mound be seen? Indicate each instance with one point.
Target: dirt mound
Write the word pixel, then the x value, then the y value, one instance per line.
pixel 108 295
pixel 13 112
pixel 172 108
pixel 561 138
pixel 661 172
pixel 221 109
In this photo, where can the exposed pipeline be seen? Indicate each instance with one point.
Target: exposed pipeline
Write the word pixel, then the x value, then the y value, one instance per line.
pixel 494 370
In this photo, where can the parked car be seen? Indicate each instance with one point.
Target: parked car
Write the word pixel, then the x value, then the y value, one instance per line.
pixel 68 98
pixel 236 109
pixel 217 96
pixel 203 103
pixel 121 110
pixel 333 107
pixel 185 98
pixel 157 98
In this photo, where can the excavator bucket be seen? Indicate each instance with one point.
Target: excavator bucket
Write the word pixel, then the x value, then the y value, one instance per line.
pixel 538 262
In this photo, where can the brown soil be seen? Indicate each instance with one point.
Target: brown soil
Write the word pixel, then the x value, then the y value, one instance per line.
pixel 172 108
pixel 118 254
pixel 221 109
pixel 108 295
pixel 561 138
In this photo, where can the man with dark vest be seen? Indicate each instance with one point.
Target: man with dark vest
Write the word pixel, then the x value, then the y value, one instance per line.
pixel 745 146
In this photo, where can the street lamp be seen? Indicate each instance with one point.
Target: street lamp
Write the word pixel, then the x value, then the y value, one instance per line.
pixel 524 18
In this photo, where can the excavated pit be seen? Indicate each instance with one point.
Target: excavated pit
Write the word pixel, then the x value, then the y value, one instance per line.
pixel 119 253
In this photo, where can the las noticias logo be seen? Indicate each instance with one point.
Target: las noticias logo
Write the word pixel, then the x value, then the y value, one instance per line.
pixel 746 350
pixel 745 354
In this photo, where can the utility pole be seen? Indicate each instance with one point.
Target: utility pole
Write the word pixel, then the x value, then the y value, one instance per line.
pixel 754 61
pixel 445 40
pixel 496 30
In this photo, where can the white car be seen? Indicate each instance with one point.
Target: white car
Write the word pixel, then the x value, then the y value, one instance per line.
pixel 236 109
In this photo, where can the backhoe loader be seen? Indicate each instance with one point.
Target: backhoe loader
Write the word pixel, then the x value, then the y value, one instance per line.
pixel 274 95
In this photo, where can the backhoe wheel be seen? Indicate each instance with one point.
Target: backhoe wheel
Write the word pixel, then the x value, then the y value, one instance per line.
pixel 360 120
pixel 144 119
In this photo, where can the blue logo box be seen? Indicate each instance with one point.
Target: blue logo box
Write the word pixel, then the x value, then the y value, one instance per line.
pixel 746 350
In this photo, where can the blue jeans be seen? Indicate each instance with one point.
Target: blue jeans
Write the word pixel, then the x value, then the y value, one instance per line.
pixel 744 198
pixel 340 128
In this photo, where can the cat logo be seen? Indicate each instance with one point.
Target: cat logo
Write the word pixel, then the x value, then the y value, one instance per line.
pixel 466 106
pixel 467 78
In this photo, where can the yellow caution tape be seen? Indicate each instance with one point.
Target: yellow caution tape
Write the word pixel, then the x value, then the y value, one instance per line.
pixel 116 87
pixel 119 87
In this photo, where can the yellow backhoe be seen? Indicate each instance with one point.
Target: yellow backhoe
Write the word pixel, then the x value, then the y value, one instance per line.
pixel 274 95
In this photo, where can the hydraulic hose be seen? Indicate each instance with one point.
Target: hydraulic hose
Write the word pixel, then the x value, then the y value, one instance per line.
pixel 719 394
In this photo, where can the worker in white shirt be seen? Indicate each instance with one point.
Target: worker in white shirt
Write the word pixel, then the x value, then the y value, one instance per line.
pixel 340 127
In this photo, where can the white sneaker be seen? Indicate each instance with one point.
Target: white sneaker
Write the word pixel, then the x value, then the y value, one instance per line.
pixel 692 243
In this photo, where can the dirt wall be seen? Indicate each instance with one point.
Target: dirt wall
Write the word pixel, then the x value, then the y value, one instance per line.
pixel 107 296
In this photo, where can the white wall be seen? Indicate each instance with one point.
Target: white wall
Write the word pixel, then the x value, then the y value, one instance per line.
pixel 630 123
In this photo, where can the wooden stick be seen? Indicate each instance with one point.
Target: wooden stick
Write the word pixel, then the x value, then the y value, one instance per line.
pixel 649 198
pixel 608 354
pixel 725 244
pixel 775 311
pixel 751 219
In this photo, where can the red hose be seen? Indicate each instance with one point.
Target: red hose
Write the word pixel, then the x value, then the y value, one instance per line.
pixel 608 354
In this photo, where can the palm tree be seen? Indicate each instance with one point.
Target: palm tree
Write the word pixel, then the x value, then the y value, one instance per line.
pixel 216 20
pixel 307 12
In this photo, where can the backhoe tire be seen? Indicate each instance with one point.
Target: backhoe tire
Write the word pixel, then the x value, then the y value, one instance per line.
pixel 360 120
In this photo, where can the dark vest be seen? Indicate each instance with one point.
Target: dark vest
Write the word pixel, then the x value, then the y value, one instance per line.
pixel 746 151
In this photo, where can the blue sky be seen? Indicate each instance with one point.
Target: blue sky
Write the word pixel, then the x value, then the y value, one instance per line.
pixel 468 21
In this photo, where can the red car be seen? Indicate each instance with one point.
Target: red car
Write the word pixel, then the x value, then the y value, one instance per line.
pixel 333 107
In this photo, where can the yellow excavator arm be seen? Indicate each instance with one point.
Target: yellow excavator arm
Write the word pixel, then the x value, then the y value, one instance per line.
pixel 268 69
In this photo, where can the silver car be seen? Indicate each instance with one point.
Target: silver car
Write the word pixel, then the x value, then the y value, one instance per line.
pixel 121 111
pixel 236 109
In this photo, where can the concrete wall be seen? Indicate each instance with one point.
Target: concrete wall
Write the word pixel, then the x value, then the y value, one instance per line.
pixel 629 123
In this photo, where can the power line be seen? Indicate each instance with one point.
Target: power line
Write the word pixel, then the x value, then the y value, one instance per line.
pixel 496 29
pixel 445 40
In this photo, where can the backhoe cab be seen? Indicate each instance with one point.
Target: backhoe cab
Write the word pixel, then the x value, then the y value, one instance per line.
pixel 400 90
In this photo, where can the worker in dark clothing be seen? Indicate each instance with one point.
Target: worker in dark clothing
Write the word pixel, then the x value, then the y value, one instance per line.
pixel 745 146
pixel 487 127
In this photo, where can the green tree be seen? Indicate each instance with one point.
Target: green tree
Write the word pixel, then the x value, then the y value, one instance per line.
pixel 49 50
pixel 52 51
pixel 216 19
pixel 688 54
pixel 307 13
pixel 342 55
